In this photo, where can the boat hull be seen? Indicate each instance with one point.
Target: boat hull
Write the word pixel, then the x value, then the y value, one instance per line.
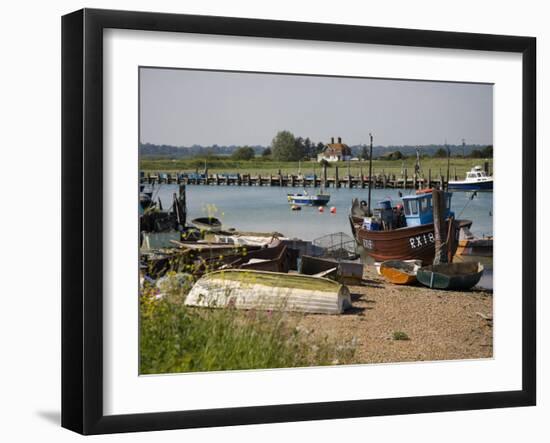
pixel 454 276
pixel 481 247
pixel 398 272
pixel 275 259
pixel 471 186
pixel 271 291
pixel 411 243
pixel 209 224
pixel 309 200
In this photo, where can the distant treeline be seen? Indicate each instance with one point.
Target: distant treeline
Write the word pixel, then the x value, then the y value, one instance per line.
pixel 395 152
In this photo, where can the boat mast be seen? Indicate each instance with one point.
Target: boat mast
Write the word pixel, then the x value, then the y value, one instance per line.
pixel 448 163
pixel 370 175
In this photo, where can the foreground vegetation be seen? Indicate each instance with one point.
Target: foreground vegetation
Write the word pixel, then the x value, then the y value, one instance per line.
pixel 258 165
pixel 176 338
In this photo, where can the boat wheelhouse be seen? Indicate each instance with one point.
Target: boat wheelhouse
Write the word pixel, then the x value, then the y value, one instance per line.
pixel 419 211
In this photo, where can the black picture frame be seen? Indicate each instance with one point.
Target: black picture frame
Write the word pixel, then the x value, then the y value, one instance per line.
pixel 82 172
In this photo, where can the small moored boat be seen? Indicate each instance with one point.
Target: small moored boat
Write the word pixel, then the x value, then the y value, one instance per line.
pixel 451 275
pixel 306 199
pixel 476 180
pixel 400 272
pixel 207 224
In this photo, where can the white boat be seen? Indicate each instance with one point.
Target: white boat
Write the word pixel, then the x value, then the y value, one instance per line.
pixel 307 199
pixel 476 180
pixel 247 289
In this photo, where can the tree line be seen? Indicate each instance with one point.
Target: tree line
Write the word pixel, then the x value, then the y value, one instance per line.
pixel 286 147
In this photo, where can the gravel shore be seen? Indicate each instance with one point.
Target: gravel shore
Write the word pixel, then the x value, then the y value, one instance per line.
pixel 391 323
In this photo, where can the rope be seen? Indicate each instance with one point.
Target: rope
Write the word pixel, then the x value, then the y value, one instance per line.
pixel 465 206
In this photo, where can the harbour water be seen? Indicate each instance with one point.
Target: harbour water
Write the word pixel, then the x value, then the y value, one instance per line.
pixel 266 209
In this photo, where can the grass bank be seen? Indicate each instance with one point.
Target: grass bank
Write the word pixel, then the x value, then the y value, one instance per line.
pixel 458 166
pixel 175 338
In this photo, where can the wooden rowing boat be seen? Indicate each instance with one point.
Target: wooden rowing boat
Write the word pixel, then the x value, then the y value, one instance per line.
pixel 274 259
pixel 481 247
pixel 211 224
pixel 400 272
pixel 347 272
pixel 246 289
pixel 458 276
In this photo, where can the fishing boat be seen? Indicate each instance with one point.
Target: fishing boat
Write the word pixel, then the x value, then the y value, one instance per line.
pixel 211 224
pixel 306 199
pixel 400 272
pixel 458 276
pixel 404 232
pixel 476 180
pixel 248 289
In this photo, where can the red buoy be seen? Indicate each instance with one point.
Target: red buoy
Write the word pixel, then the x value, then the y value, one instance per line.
pixel 321 209
pixel 333 210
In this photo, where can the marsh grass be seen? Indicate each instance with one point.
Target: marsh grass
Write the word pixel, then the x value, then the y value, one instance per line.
pixel 265 167
pixel 177 338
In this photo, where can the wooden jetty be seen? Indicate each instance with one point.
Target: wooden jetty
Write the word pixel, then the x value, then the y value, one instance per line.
pixel 380 180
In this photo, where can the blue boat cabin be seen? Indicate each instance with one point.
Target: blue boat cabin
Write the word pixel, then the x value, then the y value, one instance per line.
pixel 419 211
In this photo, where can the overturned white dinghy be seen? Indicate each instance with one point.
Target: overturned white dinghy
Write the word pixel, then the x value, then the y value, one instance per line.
pixel 246 289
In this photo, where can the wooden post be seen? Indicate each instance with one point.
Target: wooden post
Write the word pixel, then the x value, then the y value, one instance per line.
pixel 324 175
pixel 182 204
pixel 259 180
pixel 438 201
pixel 336 179
pixel 405 180
pixel 362 178
pixel 456 177
pixel 430 178
pixel 441 185
pixel 280 179
pixel 486 167
pixel 292 180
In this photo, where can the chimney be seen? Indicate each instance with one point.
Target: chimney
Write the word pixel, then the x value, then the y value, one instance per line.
pixel 332 140
pixel 340 140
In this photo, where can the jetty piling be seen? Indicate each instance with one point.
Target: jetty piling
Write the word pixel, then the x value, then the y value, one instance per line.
pixel 380 180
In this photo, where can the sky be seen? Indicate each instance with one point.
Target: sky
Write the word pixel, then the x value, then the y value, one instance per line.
pixel 184 107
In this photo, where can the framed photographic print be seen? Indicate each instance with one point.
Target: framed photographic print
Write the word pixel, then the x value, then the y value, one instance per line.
pixel 269 221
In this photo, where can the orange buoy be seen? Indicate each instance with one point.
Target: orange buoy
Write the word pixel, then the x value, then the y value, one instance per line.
pixel 424 191
pixel 333 210
pixel 321 209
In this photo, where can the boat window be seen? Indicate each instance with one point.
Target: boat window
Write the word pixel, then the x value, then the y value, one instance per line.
pixel 414 207
pixel 406 208
pixel 423 204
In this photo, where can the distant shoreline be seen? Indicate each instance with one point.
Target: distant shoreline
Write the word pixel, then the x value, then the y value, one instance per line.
pixel 458 166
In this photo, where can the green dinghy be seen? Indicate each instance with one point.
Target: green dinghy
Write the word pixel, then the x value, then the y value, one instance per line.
pixel 457 276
